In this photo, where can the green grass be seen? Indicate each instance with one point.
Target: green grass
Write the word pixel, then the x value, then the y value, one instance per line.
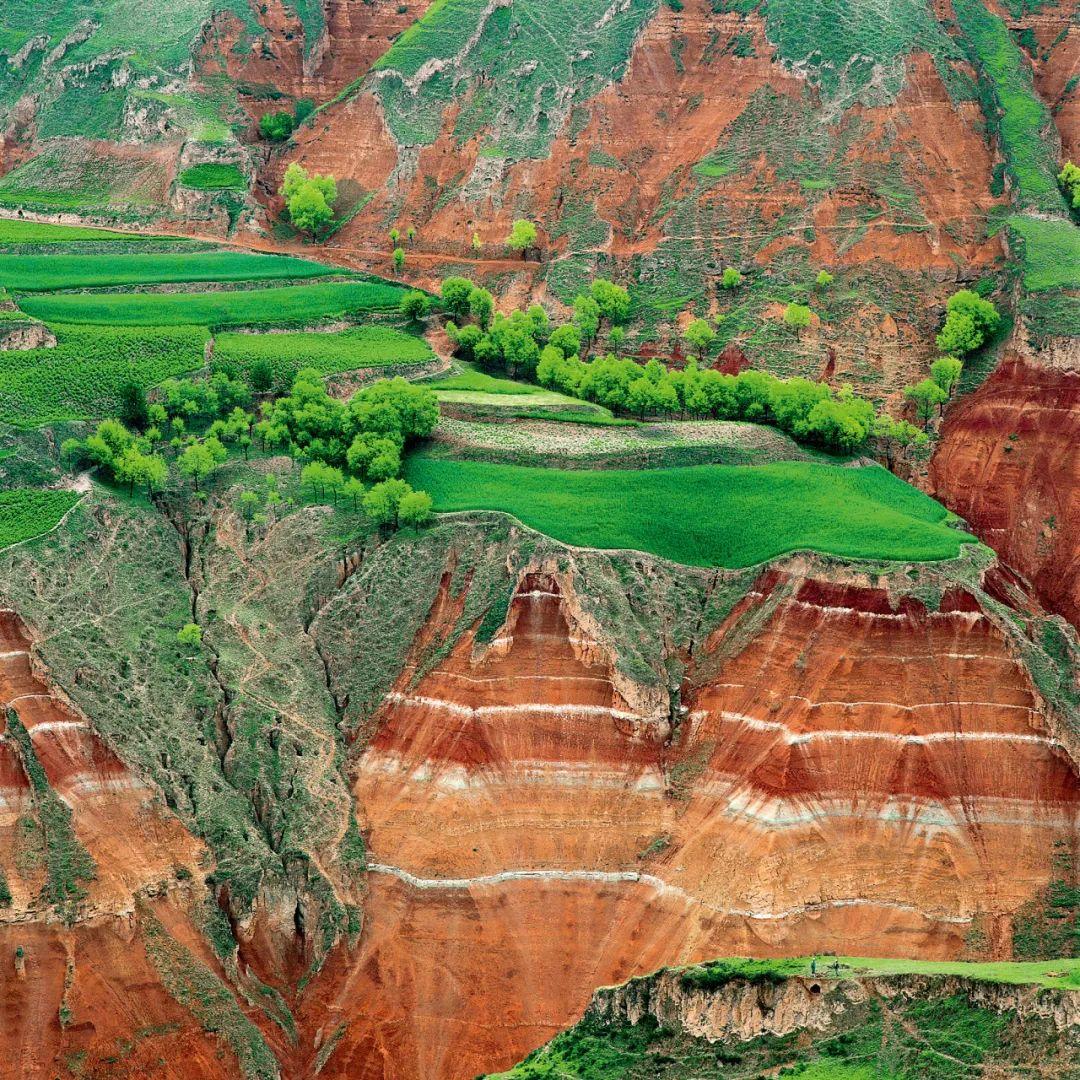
pixel 29 512
pixel 1017 973
pixel 710 515
pixel 40 273
pixel 39 232
pixel 81 378
pixel 365 346
pixel 1025 124
pixel 212 177
pixel 482 383
pixel 1051 252
pixel 297 304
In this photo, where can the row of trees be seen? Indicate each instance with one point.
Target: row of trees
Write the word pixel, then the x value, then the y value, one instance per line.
pixel 524 344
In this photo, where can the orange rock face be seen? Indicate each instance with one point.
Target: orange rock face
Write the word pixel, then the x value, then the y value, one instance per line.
pixel 844 772
pixel 1009 463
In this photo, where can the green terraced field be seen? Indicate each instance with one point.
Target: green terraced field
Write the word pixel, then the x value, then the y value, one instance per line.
pixel 41 273
pixel 39 232
pixel 82 376
pixel 29 512
pixel 1051 252
pixel 211 177
pixel 710 515
pixel 297 304
pixel 329 354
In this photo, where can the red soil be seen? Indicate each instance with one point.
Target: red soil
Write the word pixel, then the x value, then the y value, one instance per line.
pixel 1009 463
pixel 133 840
pixel 848 774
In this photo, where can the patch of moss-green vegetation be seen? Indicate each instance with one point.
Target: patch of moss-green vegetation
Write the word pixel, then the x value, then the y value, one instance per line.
pixel 328 353
pixel 1049 924
pixel 82 377
pixel 291 305
pixel 69 56
pixel 60 178
pixel 37 273
pixel 512 68
pixel 28 512
pixel 855 50
pixel 200 991
pixel 212 177
pixel 69 865
pixel 1013 109
pixel 706 515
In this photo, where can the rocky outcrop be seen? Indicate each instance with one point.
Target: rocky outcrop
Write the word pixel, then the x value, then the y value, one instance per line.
pixel 741 1009
pixel 25 334
pixel 1009 463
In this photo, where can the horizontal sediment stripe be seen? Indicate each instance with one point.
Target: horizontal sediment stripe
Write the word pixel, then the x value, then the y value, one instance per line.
pixel 731 795
pixel 797 738
pixel 632 877
pixel 536 708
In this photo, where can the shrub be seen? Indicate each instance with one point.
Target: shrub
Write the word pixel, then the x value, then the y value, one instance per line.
pixel 276 126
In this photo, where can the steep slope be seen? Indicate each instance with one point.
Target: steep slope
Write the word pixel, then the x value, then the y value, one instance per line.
pixel 1009 464
pixel 537 825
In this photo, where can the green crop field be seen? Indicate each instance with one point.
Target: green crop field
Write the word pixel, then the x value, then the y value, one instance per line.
pixel 39 232
pixel 297 304
pixel 81 378
pixel 365 346
pixel 1051 252
pixel 29 512
pixel 45 272
pixel 1025 122
pixel 211 177
pixel 709 515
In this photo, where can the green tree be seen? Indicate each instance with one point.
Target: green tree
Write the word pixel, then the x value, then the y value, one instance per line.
pixel 383 501
pixel 399 259
pixel 612 300
pixel 261 374
pixel 730 278
pixel 1069 179
pixel 455 294
pixel 395 237
pixel 945 371
pixel 134 411
pixel 481 306
pixel 699 335
pixel 567 339
pixel 190 635
pixel 199 459
pixel 969 321
pixel 415 305
pixel 824 279
pixel 410 233
pixel 276 126
pixel 414 509
pixel 893 435
pixel 308 199
pixel 586 318
pixel 926 396
pixel 522 236
pixel 797 316
pixel 353 490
